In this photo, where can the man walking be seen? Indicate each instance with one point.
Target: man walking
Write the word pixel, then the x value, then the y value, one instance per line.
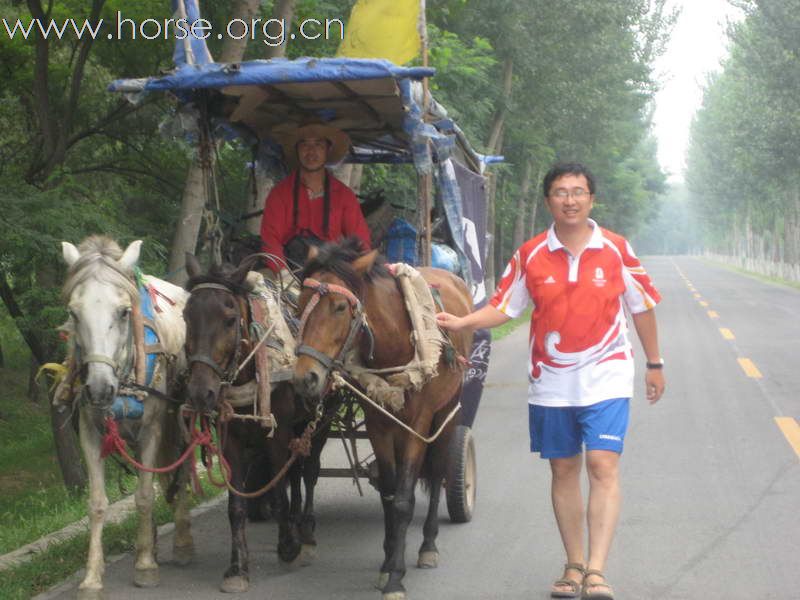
pixel 579 277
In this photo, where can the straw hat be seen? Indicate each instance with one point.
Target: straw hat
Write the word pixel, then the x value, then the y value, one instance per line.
pixel 289 134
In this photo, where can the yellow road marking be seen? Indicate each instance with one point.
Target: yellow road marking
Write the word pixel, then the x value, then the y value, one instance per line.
pixel 703 303
pixel 727 333
pixel 713 314
pixel 790 429
pixel 749 368
pixel 696 295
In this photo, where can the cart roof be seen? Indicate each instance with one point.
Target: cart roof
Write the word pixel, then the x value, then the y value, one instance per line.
pixel 374 101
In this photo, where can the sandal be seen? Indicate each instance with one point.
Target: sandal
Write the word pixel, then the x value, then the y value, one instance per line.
pixel 607 593
pixel 575 586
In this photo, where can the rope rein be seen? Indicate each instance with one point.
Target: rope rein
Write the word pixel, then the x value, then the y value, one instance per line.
pixel 339 382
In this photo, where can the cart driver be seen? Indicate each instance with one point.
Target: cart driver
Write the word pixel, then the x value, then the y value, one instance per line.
pixel 310 206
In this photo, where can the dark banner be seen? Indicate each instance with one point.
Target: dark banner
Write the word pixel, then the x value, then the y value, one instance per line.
pixel 473 197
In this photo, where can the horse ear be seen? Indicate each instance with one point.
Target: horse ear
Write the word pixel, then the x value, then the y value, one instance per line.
pixel 313 252
pixel 247 265
pixel 70 253
pixel 131 255
pixel 364 263
pixel 193 268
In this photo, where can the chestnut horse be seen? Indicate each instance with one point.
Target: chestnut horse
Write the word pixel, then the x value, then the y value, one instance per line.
pixel 217 338
pixel 349 287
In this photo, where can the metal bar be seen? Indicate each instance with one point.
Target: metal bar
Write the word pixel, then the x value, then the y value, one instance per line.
pixel 344 472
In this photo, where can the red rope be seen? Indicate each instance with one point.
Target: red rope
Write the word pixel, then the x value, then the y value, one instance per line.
pixel 113 442
pixel 202 437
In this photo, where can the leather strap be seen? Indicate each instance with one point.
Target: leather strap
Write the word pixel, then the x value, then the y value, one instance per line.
pixel 100 358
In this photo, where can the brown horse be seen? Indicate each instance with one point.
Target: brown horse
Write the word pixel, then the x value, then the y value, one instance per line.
pixel 217 339
pixel 339 319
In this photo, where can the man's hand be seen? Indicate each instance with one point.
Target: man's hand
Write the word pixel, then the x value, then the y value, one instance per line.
pixel 448 321
pixel 654 384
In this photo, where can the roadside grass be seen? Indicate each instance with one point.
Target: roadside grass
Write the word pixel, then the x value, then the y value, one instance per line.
pixel 503 330
pixel 753 274
pixel 60 561
pixel 34 502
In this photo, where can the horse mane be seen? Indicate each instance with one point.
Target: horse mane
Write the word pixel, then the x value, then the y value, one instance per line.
pixel 99 261
pixel 169 319
pixel 336 258
pixel 219 275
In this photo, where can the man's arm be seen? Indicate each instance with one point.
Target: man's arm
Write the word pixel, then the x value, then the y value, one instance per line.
pixel 483 318
pixel 647 330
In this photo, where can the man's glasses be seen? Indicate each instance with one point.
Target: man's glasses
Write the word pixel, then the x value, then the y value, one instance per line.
pixel 577 193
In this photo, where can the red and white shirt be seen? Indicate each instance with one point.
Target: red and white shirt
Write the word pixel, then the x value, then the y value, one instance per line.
pixel 579 348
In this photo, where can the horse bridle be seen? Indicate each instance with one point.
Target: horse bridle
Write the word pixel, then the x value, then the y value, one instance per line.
pixel 358 323
pixel 227 373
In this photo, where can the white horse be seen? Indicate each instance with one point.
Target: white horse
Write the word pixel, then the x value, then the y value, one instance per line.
pixel 102 296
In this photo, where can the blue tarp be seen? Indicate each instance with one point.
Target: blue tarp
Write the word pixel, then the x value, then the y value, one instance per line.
pixel 266 72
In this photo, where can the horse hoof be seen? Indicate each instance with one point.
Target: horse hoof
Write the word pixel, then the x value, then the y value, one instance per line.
pixel 145 578
pixel 428 560
pixel 90 594
pixel 290 554
pixel 235 585
pixel 308 553
pixel 383 579
pixel 395 596
pixel 183 555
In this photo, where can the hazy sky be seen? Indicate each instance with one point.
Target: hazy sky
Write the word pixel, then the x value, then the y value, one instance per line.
pixel 698 44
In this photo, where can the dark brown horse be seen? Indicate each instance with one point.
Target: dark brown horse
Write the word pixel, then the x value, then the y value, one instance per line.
pixel 336 321
pixel 217 340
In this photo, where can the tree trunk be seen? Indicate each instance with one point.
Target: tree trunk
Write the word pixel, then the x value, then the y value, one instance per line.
pixel 188 228
pixel 193 200
pixel 284 9
pixel 519 223
pixel 233 49
pixel 35 392
pixel 493 142
pixel 536 200
pixel 31 339
pixel 67 450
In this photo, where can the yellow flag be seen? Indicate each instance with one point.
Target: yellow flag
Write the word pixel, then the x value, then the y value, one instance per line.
pixel 382 29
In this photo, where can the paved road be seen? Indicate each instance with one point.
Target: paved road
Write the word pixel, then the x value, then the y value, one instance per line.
pixel 711 481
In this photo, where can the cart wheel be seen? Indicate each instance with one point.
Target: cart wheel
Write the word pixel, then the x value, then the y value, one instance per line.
pixel 461 476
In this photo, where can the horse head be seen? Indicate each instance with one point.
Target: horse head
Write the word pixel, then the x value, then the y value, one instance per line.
pixel 332 312
pixel 100 295
pixel 215 316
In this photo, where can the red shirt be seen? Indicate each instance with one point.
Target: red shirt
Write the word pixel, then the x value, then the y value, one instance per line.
pixel 579 348
pixel 278 227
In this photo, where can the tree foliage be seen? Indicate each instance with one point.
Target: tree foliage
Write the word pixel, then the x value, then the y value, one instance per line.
pixel 75 159
pixel 744 156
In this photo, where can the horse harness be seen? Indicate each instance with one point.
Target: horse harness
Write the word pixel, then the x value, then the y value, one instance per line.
pixel 228 373
pixel 357 324
pixel 133 376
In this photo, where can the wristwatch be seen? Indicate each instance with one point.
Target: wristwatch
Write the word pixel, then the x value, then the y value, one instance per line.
pixel 659 364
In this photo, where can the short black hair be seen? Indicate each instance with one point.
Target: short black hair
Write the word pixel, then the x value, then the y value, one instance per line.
pixel 566 168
